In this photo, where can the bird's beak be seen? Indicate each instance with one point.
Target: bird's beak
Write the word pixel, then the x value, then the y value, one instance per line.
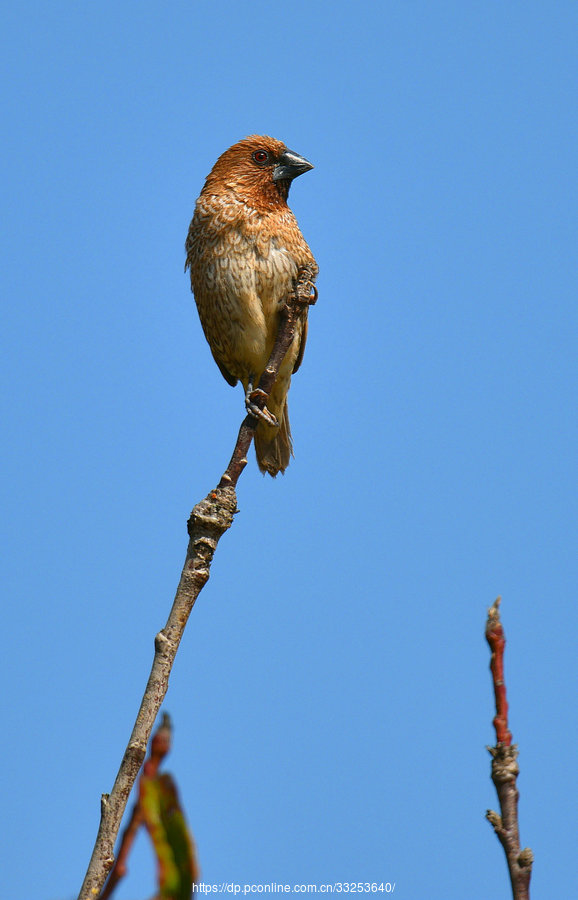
pixel 290 165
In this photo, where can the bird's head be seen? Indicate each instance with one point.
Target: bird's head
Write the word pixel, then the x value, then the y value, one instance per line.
pixel 259 169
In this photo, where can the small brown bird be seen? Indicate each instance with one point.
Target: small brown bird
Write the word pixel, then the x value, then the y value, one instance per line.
pixel 244 249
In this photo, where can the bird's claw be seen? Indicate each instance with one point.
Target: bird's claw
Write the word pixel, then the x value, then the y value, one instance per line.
pixel 255 406
pixel 310 300
pixel 313 295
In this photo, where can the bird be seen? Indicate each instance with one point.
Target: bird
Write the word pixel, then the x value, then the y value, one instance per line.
pixel 243 252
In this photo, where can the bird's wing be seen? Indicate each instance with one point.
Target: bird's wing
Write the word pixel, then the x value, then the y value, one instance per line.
pixel 301 352
pixel 224 371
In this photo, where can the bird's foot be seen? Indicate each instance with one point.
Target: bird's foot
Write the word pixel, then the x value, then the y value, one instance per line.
pixel 307 301
pixel 255 405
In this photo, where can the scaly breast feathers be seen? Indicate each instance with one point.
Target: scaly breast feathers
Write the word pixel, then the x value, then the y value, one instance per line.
pixel 238 297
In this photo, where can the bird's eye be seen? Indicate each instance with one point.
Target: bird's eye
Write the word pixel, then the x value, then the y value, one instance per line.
pixel 261 156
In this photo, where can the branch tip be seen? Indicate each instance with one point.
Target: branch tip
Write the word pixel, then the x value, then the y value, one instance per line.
pixel 494 819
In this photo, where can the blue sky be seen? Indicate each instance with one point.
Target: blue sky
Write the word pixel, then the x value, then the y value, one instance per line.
pixel 331 697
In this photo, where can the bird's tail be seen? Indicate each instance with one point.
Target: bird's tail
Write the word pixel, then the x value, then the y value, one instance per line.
pixel 274 446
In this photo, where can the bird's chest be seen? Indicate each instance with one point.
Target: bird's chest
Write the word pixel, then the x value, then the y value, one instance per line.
pixel 244 250
pixel 259 265
pixel 241 273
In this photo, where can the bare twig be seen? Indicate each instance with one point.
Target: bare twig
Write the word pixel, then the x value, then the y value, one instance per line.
pixel 505 768
pixel 120 868
pixel 208 522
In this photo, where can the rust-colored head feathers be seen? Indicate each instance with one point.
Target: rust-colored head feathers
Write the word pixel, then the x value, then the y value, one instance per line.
pixel 244 250
pixel 259 169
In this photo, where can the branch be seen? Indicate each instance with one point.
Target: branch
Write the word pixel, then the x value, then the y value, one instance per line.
pixel 505 768
pixel 208 522
pixel 120 868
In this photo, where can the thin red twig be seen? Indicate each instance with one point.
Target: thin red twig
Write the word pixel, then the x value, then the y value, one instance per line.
pixel 505 768
pixel 497 641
